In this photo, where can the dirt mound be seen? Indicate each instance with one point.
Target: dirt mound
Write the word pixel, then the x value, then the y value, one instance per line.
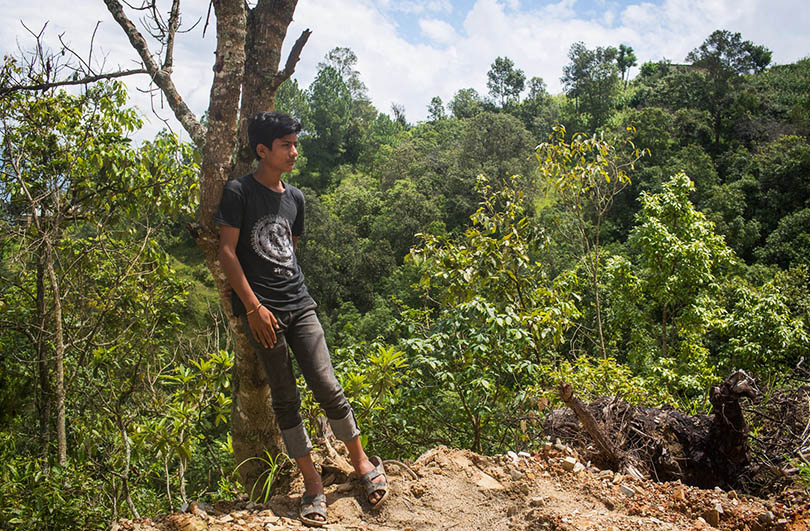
pixel 457 489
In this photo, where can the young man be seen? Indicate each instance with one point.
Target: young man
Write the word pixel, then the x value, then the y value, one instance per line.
pixel 261 219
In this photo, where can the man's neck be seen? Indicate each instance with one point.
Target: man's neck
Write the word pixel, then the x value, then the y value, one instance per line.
pixel 268 178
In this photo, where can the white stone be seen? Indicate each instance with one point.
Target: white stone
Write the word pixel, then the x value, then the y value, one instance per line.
pixel 569 463
pixel 488 482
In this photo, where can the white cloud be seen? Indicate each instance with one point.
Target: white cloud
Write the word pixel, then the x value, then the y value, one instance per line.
pixel 432 59
pixel 438 31
pixel 416 7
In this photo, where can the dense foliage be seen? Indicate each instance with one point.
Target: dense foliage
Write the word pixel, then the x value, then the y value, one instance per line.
pixel 637 236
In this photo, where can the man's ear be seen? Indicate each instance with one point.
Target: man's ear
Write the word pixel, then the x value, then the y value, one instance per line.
pixel 261 150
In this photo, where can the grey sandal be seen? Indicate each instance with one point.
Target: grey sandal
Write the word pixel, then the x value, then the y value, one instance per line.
pixel 314 504
pixel 371 486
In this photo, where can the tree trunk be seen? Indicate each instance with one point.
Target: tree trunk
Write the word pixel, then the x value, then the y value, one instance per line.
pixel 59 359
pixel 597 301
pixel 44 398
pixel 664 334
pixel 249 42
pixel 266 30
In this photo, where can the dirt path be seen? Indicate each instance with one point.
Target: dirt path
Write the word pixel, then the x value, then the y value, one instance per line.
pixel 459 490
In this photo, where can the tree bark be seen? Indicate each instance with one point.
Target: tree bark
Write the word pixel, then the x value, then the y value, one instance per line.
pixel 266 30
pixel 248 55
pixel 59 358
pixel 45 398
pixel 611 453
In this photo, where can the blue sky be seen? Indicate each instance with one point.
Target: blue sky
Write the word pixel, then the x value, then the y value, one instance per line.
pixel 411 50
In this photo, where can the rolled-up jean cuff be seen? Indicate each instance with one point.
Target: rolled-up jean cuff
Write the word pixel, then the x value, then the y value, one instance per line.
pixel 296 441
pixel 345 429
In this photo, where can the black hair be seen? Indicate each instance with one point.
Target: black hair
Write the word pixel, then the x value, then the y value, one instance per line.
pixel 267 126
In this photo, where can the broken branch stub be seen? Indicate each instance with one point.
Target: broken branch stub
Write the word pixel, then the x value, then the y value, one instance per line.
pixel 610 452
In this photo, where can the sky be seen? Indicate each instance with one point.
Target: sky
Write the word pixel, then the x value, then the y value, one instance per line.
pixel 412 50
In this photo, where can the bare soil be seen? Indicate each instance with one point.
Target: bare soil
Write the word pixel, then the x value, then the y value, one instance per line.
pixel 457 489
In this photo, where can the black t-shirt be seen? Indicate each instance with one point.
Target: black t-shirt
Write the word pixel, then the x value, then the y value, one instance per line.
pixel 267 221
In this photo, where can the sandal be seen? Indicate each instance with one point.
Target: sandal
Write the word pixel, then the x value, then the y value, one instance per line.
pixel 312 505
pixel 370 485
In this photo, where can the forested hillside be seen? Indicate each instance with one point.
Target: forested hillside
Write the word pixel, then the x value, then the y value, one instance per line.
pixel 636 236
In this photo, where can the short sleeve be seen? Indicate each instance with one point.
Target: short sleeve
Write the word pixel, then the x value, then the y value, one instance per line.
pixel 231 207
pixel 298 225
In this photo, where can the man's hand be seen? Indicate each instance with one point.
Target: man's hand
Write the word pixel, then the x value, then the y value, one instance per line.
pixel 263 325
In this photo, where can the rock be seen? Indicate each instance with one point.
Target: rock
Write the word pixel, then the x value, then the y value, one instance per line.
pixel 461 461
pixel 766 518
pixel 512 511
pixel 627 490
pixel 680 494
pixel 537 501
pixel 732 494
pixel 225 519
pixel 488 482
pixel 271 520
pixel 417 490
pixel 569 463
pixel 712 517
pixel 512 456
pixel 606 474
pixel 526 455
pixel 579 467
pixel 192 524
pixel 516 474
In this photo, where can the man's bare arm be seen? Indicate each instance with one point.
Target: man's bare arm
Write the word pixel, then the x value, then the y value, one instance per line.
pixel 261 320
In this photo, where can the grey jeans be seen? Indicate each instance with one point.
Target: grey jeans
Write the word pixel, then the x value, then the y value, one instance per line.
pixel 301 331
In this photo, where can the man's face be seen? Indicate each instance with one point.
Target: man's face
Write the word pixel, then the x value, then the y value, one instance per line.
pixel 282 157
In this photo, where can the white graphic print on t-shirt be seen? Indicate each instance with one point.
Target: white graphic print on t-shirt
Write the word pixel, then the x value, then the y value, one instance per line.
pixel 271 239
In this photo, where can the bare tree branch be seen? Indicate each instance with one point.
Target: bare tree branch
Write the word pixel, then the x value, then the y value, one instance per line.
pixel 78 81
pixel 174 23
pixel 292 59
pixel 160 76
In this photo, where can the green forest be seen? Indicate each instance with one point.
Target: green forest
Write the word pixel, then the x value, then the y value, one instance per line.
pixel 639 236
